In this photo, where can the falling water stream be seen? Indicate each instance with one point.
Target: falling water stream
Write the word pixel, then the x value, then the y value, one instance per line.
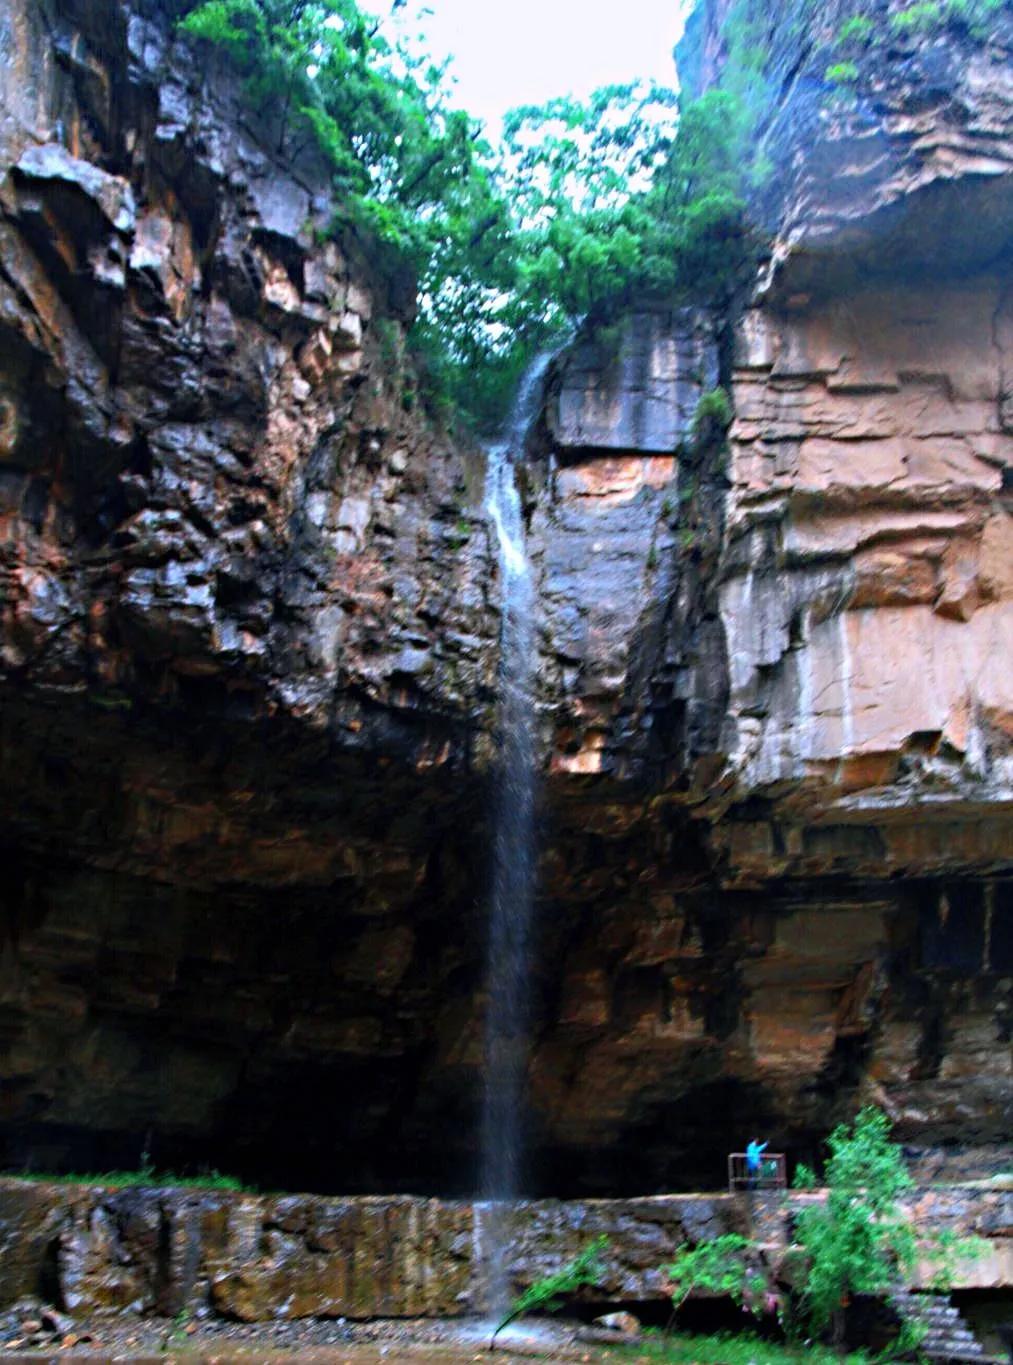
pixel 508 975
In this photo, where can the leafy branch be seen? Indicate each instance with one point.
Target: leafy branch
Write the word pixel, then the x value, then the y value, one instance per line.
pixel 551 1293
pixel 720 1268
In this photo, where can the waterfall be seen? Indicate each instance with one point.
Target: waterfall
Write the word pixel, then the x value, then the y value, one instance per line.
pixel 508 972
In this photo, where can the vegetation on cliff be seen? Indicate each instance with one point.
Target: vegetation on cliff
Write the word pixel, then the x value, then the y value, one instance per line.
pixel 585 205
pixel 856 1238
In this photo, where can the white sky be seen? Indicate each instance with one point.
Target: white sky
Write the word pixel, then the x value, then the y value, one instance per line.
pixel 509 52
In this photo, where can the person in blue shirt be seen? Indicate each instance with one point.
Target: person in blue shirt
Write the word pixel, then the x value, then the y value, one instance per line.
pixel 754 1151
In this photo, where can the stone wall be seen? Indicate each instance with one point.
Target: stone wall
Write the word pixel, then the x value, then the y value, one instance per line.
pixel 256 1258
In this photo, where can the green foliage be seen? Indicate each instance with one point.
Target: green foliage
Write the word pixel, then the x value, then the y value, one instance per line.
pixel 805 1177
pixel 551 1293
pixel 974 15
pixel 842 73
pixel 697 202
pixel 947 1251
pixel 720 1267
pixel 413 177
pixel 927 16
pixel 747 34
pixel 742 1348
pixel 860 1241
pixel 908 1340
pixel 145 1177
pixel 918 19
pixel 589 204
pixel 177 1334
pixel 856 29
pixel 714 410
pixel 460 534
pixel 616 201
pixel 711 421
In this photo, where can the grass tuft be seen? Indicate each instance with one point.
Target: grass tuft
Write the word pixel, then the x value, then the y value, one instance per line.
pixel 725 1348
pixel 146 1177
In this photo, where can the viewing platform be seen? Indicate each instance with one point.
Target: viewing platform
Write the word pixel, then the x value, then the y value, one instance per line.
pixel 771 1174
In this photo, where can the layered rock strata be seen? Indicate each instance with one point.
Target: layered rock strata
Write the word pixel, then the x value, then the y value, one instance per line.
pixel 249 644
pixel 248 618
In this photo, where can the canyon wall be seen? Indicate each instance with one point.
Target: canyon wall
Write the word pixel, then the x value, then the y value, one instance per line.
pixel 249 643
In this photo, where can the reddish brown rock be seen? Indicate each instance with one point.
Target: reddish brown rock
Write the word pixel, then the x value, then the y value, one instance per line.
pixel 248 647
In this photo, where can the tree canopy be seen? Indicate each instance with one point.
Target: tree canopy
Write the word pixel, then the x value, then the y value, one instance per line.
pixel 585 205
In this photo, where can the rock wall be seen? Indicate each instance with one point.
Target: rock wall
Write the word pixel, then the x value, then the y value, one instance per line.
pixel 247 620
pixel 264 1258
pixel 785 693
pixel 248 653
pixel 868 586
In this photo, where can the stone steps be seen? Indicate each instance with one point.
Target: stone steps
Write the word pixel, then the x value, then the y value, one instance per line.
pixel 947 1335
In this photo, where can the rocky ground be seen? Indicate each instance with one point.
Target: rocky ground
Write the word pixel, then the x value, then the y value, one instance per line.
pixel 32 1331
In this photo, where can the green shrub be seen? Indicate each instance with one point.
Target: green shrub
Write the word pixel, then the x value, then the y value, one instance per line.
pixel 917 20
pixel 842 73
pixel 715 406
pixel 859 28
pixel 712 418
pixel 721 1267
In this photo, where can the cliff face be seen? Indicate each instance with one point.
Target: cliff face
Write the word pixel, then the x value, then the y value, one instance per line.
pixel 870 529
pixel 247 616
pixel 250 634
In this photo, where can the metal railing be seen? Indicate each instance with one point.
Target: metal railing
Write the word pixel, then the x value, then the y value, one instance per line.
pixel 771 1174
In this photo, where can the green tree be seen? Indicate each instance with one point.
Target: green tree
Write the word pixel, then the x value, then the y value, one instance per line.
pixel 589 205
pixel 859 1239
pixel 412 175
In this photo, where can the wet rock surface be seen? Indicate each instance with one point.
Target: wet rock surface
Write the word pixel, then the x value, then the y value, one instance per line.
pixel 249 640
pixel 635 385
